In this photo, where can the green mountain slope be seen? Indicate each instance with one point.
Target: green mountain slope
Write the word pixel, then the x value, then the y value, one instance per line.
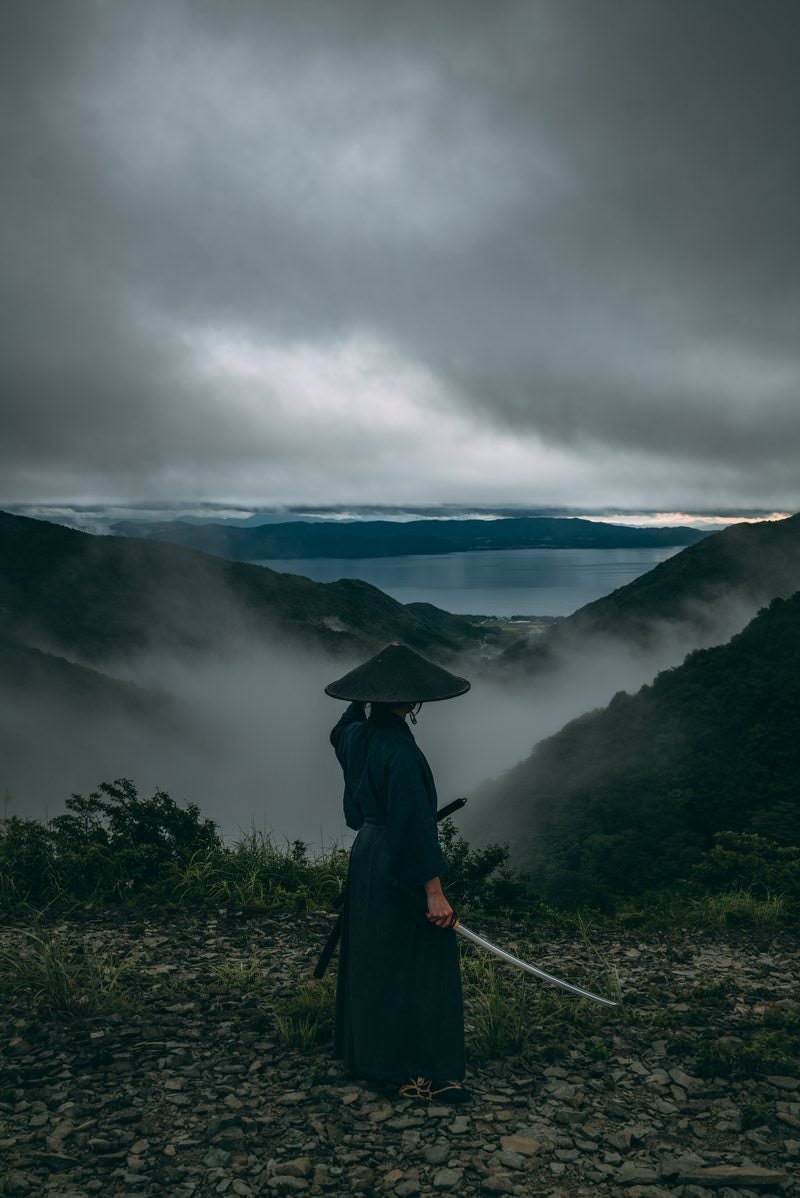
pixel 624 799
pixel 701 596
pixel 100 597
pixel 386 538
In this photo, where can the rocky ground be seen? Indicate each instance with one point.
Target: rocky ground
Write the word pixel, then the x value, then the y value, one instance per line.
pixel 184 1082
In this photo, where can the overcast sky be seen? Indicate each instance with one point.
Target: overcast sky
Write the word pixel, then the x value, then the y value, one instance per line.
pixel 326 251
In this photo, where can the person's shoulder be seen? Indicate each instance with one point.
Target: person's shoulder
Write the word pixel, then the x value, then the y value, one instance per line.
pixel 401 748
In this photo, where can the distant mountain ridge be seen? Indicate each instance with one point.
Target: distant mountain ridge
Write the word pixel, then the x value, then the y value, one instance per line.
pixel 625 799
pixel 388 538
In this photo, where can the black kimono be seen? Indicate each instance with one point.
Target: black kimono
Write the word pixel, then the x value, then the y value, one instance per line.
pixel 399 1011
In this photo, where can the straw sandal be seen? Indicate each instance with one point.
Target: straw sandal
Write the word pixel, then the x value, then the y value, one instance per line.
pixel 425 1089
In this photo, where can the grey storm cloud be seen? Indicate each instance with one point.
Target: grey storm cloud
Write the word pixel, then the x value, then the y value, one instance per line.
pixel 336 250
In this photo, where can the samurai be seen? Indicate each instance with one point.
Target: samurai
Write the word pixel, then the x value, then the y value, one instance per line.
pixel 399 1009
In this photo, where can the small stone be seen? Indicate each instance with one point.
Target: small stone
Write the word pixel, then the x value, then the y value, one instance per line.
pixel 447 1179
pixel 230 1135
pixel 299 1166
pixel 676 1166
pixel 126 1115
pixel 497 1183
pixel 525 1143
pixel 512 1160
pixel 633 1171
pixel 101 1145
pixel 361 1177
pixel 437 1154
pixel 215 1158
pixel 407 1189
pixel 683 1079
pixel 736 1175
pixel 621 1139
pixel 615 1110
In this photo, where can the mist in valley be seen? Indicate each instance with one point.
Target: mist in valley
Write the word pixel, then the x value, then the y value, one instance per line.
pixel 242 729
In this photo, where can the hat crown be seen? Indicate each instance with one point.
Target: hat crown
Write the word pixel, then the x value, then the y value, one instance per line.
pixel 398 674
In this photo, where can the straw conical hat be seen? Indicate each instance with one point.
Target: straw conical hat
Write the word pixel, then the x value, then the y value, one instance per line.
pixel 397 675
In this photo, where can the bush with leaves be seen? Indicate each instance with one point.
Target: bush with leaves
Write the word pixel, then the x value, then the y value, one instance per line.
pixel 108 845
pixel 28 869
pixel 481 879
pixel 747 861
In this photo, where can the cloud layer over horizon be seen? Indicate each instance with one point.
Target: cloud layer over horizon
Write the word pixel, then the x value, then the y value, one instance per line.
pixel 340 252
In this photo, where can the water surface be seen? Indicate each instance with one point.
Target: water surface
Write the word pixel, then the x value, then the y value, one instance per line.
pixel 498 582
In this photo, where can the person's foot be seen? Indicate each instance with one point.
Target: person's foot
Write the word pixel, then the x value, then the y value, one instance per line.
pixel 425 1089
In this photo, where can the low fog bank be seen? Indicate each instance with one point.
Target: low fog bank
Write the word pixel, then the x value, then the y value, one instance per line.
pixel 245 738
pixel 244 733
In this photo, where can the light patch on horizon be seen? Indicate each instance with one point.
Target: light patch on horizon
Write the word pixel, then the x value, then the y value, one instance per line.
pixel 703 521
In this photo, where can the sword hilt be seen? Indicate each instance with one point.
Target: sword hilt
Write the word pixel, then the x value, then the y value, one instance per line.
pixel 444 812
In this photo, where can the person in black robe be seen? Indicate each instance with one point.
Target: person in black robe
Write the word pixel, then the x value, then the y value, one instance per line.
pixel 399 1011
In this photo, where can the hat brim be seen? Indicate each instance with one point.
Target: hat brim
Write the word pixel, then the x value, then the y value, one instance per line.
pixel 398 675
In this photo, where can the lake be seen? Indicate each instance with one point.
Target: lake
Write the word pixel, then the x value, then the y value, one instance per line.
pixel 498 582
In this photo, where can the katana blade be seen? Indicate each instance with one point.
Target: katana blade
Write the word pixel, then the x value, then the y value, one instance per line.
pixel 474 938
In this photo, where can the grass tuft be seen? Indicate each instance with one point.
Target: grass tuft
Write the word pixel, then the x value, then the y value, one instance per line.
pixel 68 980
pixel 306 1019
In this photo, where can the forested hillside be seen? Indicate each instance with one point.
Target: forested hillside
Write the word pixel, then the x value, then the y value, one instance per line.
pixel 100 597
pixel 625 799
pixel 700 596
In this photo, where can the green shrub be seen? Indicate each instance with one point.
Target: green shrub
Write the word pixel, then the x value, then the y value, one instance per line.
pixel 744 861
pixel 109 846
pixel 481 879
pixel 28 869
